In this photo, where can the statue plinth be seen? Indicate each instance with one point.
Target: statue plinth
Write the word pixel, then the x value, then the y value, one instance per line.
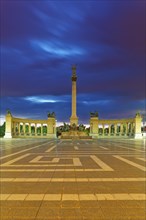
pixel 73 120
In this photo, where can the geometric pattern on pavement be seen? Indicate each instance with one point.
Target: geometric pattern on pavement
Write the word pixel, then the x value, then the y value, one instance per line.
pixel 98 179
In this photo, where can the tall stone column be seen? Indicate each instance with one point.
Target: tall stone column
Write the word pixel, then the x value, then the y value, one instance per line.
pixel 8 132
pixel 74 118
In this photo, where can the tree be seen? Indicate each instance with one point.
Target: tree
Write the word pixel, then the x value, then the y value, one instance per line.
pixel 2 130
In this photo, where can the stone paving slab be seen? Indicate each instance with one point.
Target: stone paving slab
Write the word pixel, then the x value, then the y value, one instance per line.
pixel 96 179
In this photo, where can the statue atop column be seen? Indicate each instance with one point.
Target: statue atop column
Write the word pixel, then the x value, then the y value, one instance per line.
pixel 51 115
pixel 74 75
pixel 94 114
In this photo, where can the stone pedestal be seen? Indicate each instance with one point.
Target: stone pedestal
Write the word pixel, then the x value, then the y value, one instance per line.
pixel 94 127
pixel 138 136
pixel 51 130
pixel 73 120
pixel 8 131
pixel 138 121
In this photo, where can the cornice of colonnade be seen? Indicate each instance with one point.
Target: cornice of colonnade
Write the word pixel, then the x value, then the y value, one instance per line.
pixel 25 120
pixel 115 121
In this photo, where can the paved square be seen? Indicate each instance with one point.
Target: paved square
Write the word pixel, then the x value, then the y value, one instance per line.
pixel 60 179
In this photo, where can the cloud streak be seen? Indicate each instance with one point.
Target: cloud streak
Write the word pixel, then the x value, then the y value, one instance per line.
pixel 41 40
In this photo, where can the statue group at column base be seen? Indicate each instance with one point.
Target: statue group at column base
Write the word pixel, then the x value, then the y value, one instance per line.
pixel 74 131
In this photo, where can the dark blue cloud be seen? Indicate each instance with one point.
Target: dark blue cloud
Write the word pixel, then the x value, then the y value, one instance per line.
pixel 40 40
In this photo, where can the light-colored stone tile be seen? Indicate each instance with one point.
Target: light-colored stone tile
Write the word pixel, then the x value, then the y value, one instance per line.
pixel 122 196
pixel 44 179
pixel 17 197
pixel 71 197
pixel 52 197
pixel 109 197
pixel 57 179
pixel 7 179
pixel 82 179
pixel 34 197
pixel 69 179
pixel 77 162
pixel 4 196
pixel 100 196
pixel 51 148
pixel 87 197
pixel 137 196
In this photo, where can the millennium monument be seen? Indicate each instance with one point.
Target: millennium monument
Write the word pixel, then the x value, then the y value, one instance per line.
pixel 99 128
pixel 74 118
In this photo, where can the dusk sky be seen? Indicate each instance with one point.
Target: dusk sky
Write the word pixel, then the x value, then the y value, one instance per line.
pixel 41 40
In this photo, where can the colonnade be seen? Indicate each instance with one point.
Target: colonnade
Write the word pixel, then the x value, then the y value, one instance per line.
pixel 116 129
pixel 19 127
pixel 122 127
pixel 29 129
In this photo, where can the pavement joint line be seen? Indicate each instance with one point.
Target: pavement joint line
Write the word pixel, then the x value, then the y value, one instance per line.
pixel 73 179
pixel 73 197
pixel 131 163
pixel 22 151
